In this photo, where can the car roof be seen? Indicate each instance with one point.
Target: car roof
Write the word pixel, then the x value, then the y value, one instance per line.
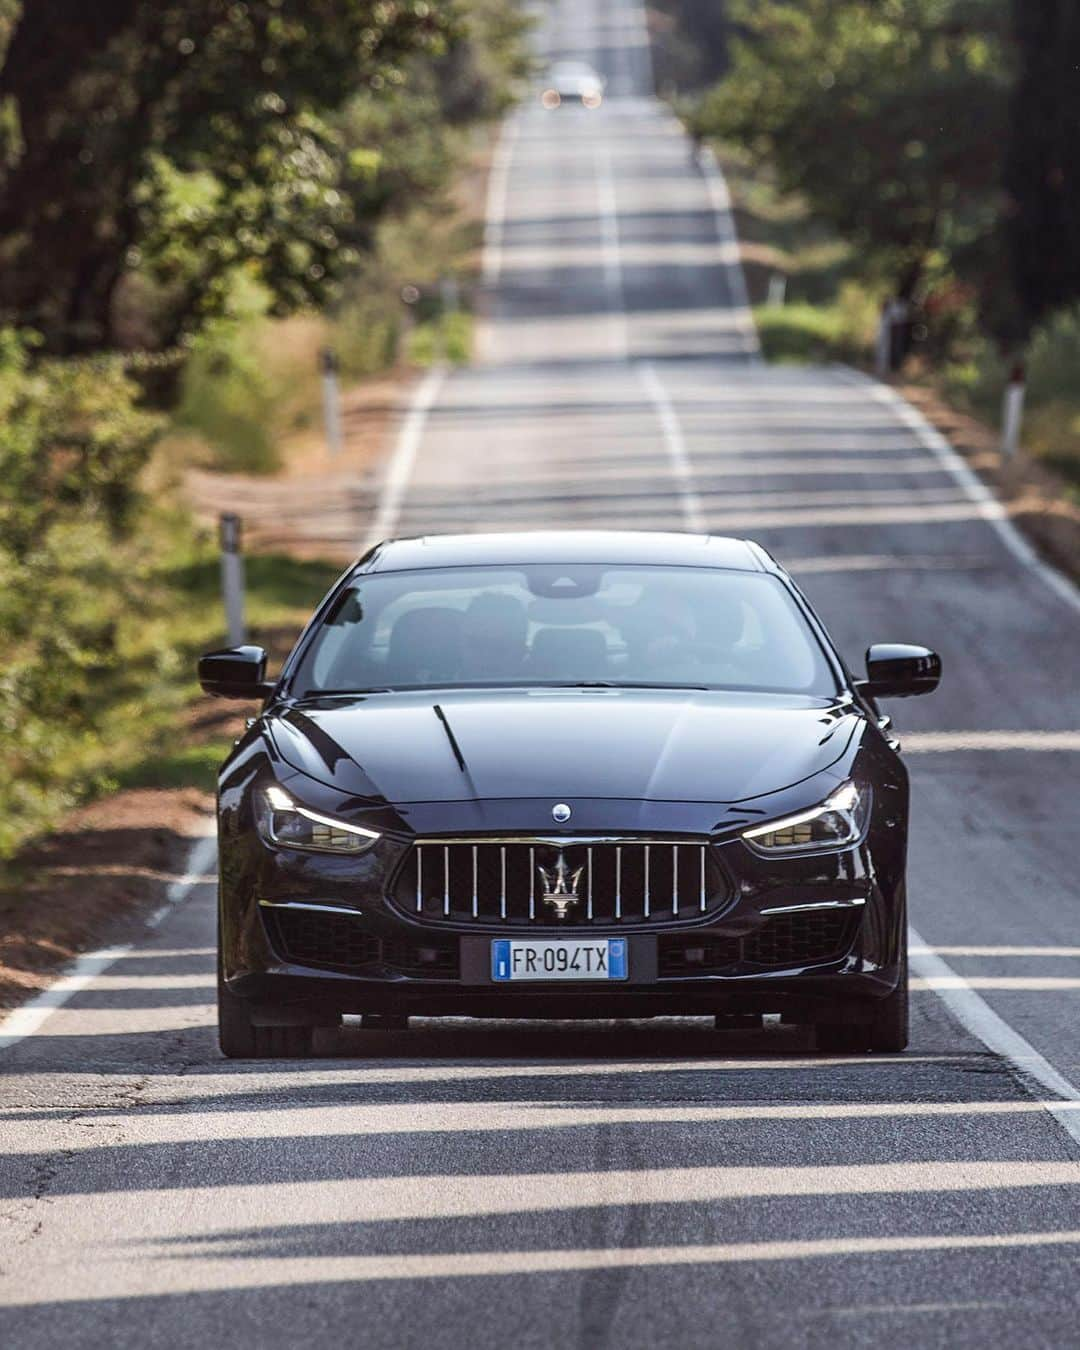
pixel 626 547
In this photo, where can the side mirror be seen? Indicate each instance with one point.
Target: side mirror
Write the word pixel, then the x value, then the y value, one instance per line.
pixel 236 672
pixel 895 670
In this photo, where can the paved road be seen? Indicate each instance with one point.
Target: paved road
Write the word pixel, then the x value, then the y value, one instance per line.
pixel 661 1183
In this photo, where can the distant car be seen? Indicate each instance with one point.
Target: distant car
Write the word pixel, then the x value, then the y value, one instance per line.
pixel 590 774
pixel 572 82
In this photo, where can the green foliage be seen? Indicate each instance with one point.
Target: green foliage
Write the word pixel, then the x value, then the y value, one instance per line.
pixel 226 394
pixel 886 117
pixel 121 106
pixel 185 141
pixel 690 43
pixel 72 583
pixel 1041 172
pixel 446 337
pixel 841 331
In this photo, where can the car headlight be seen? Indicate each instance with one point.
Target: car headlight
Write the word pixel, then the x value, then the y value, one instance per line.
pixel 283 821
pixel 838 822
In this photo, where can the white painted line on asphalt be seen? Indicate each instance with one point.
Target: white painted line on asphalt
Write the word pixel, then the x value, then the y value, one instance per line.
pixel 887 562
pixel 990 509
pixel 976 1016
pixel 609 231
pixel 1000 951
pixel 682 472
pixel 938 742
pixel 200 863
pixel 497 196
pixel 720 198
pixel 28 1020
pixel 400 468
pixel 1006 982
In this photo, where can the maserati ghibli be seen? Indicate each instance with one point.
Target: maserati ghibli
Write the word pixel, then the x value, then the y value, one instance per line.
pixel 564 775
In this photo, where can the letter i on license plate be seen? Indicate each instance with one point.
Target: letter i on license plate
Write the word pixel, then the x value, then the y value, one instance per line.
pixel 521 959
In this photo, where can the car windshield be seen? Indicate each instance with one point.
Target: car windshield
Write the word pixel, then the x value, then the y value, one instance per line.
pixel 564 625
pixel 573 70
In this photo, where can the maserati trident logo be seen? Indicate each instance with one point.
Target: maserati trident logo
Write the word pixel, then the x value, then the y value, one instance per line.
pixel 560 887
pixel 560 813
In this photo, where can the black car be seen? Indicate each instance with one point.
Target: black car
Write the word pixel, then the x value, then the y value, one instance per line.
pixel 564 775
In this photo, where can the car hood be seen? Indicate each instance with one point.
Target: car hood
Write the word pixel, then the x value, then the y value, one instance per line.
pixel 637 745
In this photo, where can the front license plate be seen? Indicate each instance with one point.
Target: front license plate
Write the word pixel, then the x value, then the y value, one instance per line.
pixel 521 959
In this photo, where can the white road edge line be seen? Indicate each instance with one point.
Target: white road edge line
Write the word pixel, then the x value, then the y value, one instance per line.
pixel 968 1007
pixel 497 196
pixel 990 508
pixel 682 471
pixel 27 1020
pixel 720 197
pixel 400 467
pixel 976 1016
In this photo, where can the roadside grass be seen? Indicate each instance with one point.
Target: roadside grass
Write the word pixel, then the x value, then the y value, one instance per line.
pixel 150 701
pixel 253 383
pixel 827 312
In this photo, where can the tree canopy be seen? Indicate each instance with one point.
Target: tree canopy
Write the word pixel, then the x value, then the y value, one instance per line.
pixel 884 114
pixel 932 134
pixel 179 140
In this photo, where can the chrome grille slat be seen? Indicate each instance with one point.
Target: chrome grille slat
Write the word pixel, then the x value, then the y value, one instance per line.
pixel 612 881
pixel 475 891
pixel 675 880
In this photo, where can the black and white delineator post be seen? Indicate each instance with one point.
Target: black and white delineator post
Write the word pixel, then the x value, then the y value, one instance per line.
pixel 328 364
pixel 232 578
pixel 889 349
pixel 1012 410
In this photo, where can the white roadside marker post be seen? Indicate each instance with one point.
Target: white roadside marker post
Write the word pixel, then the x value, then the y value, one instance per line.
pixel 777 290
pixel 888 358
pixel 1012 411
pixel 232 578
pixel 328 363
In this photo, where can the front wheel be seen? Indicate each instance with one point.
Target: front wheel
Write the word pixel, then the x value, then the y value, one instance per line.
pixel 885 1030
pixel 240 1038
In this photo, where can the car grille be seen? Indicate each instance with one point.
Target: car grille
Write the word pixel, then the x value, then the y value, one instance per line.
pixel 337 942
pixel 785 940
pixel 533 882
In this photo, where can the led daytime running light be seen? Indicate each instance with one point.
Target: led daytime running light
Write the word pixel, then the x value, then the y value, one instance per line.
pixel 279 800
pixel 845 802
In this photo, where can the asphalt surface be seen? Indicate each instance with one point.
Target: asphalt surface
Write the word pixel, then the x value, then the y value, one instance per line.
pixel 657 1183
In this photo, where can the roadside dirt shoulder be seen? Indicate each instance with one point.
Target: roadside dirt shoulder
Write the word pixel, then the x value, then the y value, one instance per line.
pixel 80 888
pixel 1038 501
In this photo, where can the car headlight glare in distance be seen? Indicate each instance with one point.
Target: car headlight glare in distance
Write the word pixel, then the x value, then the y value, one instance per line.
pixel 282 821
pixel 838 822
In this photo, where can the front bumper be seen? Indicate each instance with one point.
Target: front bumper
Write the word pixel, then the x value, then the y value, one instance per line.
pixel 401 968
pixel 735 960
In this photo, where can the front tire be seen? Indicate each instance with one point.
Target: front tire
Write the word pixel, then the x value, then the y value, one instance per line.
pixel 885 1030
pixel 240 1038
